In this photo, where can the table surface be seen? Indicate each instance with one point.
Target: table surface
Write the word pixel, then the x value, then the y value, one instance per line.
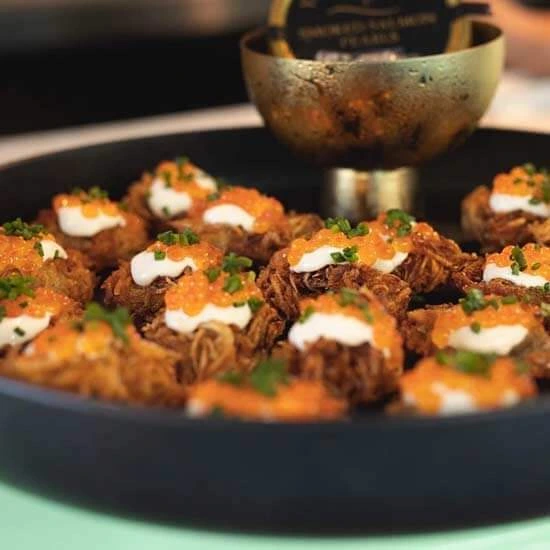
pixel 28 521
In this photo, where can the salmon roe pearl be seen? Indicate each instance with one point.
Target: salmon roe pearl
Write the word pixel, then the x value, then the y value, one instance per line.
pixel 384 326
pixel 537 258
pixel 299 400
pixel 370 247
pixel 487 392
pixel 63 341
pixel 455 317
pixel 20 254
pixel 45 301
pixel 194 291
pixel 90 208
pixel 182 178
pixel 268 212
pixel 519 183
pixel 203 254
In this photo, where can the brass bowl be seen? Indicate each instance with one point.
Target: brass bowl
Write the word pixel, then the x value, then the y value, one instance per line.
pixel 367 115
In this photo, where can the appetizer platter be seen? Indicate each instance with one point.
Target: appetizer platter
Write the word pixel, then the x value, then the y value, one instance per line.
pixel 191 338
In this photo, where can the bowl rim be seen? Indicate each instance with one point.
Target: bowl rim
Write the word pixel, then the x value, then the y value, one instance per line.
pixel 247 49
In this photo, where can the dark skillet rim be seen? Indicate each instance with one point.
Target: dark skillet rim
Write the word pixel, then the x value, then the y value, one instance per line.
pixel 177 418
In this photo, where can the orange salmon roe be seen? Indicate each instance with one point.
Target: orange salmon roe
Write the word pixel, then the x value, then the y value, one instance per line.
pixel 267 211
pixel 182 178
pixel 370 247
pixel 90 208
pixel 193 292
pixel 64 341
pixel 455 317
pixel 203 254
pixel 536 256
pixel 23 255
pixel 384 326
pixel 300 400
pixel 44 301
pixel 519 183
pixel 399 243
pixel 487 392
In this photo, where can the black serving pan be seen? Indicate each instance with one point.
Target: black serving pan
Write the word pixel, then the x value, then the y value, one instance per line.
pixel 371 473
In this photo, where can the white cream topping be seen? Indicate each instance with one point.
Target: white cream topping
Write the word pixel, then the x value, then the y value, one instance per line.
pixel 387 266
pixel 196 408
pixel 510 398
pixel 333 326
pixel 459 401
pixel 50 248
pixel 205 181
pixel 73 222
pixel 21 329
pixel 166 202
pixel 493 271
pixel 501 202
pixel 145 268
pixel 500 339
pixel 321 257
pixel 180 322
pixel 229 214
pixel 317 259
pixel 453 401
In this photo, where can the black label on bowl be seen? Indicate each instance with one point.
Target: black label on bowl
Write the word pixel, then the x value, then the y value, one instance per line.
pixel 340 29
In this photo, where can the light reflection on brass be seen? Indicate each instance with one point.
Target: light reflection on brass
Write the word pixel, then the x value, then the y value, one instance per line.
pixel 360 195
pixel 369 115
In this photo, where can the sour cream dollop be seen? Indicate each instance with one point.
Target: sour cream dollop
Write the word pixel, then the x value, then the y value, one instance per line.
pixel 183 323
pixel 197 298
pixel 340 328
pixel 534 270
pixel 145 268
pixel 501 339
pixel 521 189
pixel 229 214
pixel 21 329
pixel 52 250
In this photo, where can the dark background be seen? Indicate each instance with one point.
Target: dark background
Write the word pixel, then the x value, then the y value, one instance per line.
pixel 73 62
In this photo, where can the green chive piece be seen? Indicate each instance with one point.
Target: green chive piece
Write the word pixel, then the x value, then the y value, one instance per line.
pixel 118 319
pixel 212 273
pixel 233 284
pixel 306 314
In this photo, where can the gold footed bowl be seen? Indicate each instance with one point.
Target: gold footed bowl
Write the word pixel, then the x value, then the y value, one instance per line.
pixel 367 115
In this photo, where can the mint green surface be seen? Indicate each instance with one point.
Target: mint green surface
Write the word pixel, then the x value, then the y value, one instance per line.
pixel 28 522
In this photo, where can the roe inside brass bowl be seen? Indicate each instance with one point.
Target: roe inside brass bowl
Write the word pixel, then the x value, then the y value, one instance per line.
pixel 367 115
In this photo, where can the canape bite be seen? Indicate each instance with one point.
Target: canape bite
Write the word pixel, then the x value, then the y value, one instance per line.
pixel 29 250
pixel 88 221
pixel 216 320
pixel 25 311
pixel 100 356
pixel 464 382
pixel 347 340
pixel 140 284
pixel 169 191
pixel 267 393
pixel 521 272
pixel 335 257
pixel 514 212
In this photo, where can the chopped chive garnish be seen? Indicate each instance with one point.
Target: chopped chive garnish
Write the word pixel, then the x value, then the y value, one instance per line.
pixel 233 284
pixel 306 314
pixel 119 319
pixel 212 273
